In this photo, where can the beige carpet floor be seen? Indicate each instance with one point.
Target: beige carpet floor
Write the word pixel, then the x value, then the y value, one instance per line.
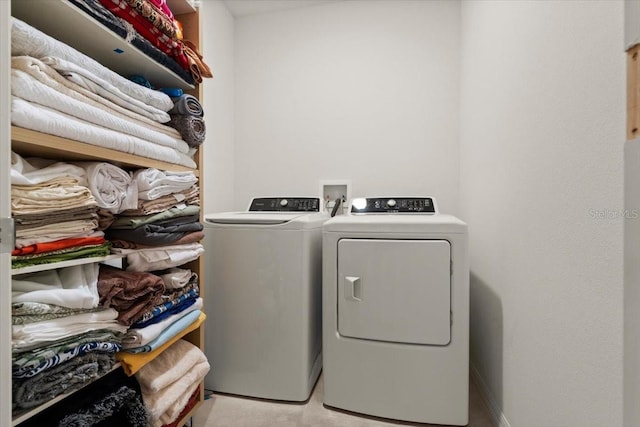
pixel 232 411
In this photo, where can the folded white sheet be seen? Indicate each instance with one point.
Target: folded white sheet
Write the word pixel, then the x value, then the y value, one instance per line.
pixel 177 278
pixel 46 120
pixel 73 287
pixel 101 87
pixel 27 40
pixel 25 172
pixel 161 257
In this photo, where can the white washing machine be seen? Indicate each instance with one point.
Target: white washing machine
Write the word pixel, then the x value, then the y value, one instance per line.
pixel 263 276
pixel 396 311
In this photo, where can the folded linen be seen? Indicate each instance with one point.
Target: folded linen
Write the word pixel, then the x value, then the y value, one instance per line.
pixel 86 251
pixel 43 119
pixel 27 40
pixel 38 83
pixel 53 195
pixel 153 183
pixel 131 293
pixel 169 380
pixel 103 88
pixel 191 237
pixel 162 257
pixel 132 363
pixel 111 186
pixel 176 278
pixel 190 196
pixel 141 337
pixel 60 379
pixel 34 172
pixel 71 287
pixel 29 312
pixel 24 222
pixel 131 222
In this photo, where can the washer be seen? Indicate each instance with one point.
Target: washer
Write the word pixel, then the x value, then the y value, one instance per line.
pixel 263 274
pixel 396 311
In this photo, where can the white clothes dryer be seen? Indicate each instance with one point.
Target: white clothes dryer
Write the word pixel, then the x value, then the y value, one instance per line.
pixel 396 311
pixel 263 275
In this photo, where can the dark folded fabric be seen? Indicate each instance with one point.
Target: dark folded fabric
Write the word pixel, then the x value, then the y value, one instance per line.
pixel 60 379
pixel 188 302
pixel 158 234
pixel 191 128
pixel 187 105
pixel 112 400
pixel 131 293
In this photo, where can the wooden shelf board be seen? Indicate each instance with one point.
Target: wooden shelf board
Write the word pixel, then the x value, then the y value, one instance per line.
pixel 69 263
pixel 27 142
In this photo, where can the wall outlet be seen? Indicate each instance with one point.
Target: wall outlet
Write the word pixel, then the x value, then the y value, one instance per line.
pixel 330 190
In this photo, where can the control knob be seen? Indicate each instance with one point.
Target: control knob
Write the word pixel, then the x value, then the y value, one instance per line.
pixel 284 202
pixel 391 203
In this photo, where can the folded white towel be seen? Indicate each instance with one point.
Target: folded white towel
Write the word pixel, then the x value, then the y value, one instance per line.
pixel 153 183
pixel 111 186
pixel 27 40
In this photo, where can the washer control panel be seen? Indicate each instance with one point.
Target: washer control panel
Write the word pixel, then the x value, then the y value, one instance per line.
pixel 394 205
pixel 285 204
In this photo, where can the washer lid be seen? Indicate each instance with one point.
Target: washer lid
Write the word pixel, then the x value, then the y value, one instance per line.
pixel 288 220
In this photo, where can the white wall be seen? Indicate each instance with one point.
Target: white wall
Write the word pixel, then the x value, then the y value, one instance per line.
pixel 362 90
pixel 217 33
pixel 543 119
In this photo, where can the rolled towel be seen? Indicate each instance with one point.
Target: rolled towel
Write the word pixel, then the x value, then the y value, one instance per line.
pixel 191 128
pixel 187 105
pixel 112 187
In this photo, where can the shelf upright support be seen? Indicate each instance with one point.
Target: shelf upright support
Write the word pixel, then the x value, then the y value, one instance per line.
pixel 5 212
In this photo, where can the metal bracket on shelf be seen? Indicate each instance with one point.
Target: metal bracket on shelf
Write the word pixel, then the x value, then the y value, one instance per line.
pixel 7 235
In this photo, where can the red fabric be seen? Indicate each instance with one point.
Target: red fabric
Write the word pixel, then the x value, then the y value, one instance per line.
pixel 38 248
pixel 173 48
pixel 190 404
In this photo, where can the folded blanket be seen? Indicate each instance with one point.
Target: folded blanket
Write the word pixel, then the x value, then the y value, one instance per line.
pixel 169 380
pixel 132 363
pixel 36 82
pixel 131 293
pixel 73 287
pixel 91 82
pixel 158 234
pixel 60 379
pixel 191 237
pixel 138 340
pixel 23 222
pixel 187 105
pixel 27 40
pixel 190 196
pixel 153 183
pixel 46 120
pixel 162 257
pixel 193 400
pixel 111 186
pixel 191 128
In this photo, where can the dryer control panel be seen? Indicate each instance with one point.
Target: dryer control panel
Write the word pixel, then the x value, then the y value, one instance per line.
pixel 285 204
pixel 394 205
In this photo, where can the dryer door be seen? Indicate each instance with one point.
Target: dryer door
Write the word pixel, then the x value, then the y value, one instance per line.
pixel 395 290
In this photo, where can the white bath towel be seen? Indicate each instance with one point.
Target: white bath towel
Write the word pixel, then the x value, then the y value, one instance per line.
pixel 111 186
pixel 27 40
pixel 72 287
pixel 153 183
pixel 169 380
pixel 101 87
pixel 36 82
pixel 46 120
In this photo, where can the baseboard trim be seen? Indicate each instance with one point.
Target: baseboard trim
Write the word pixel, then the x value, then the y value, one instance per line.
pixel 495 411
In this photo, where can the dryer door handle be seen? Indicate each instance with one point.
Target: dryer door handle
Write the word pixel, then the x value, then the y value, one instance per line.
pixel 352 288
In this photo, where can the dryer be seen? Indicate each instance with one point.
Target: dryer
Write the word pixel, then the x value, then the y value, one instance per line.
pixel 396 311
pixel 263 274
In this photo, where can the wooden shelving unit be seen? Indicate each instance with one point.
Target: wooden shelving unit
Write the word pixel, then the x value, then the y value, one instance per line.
pixel 67 23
